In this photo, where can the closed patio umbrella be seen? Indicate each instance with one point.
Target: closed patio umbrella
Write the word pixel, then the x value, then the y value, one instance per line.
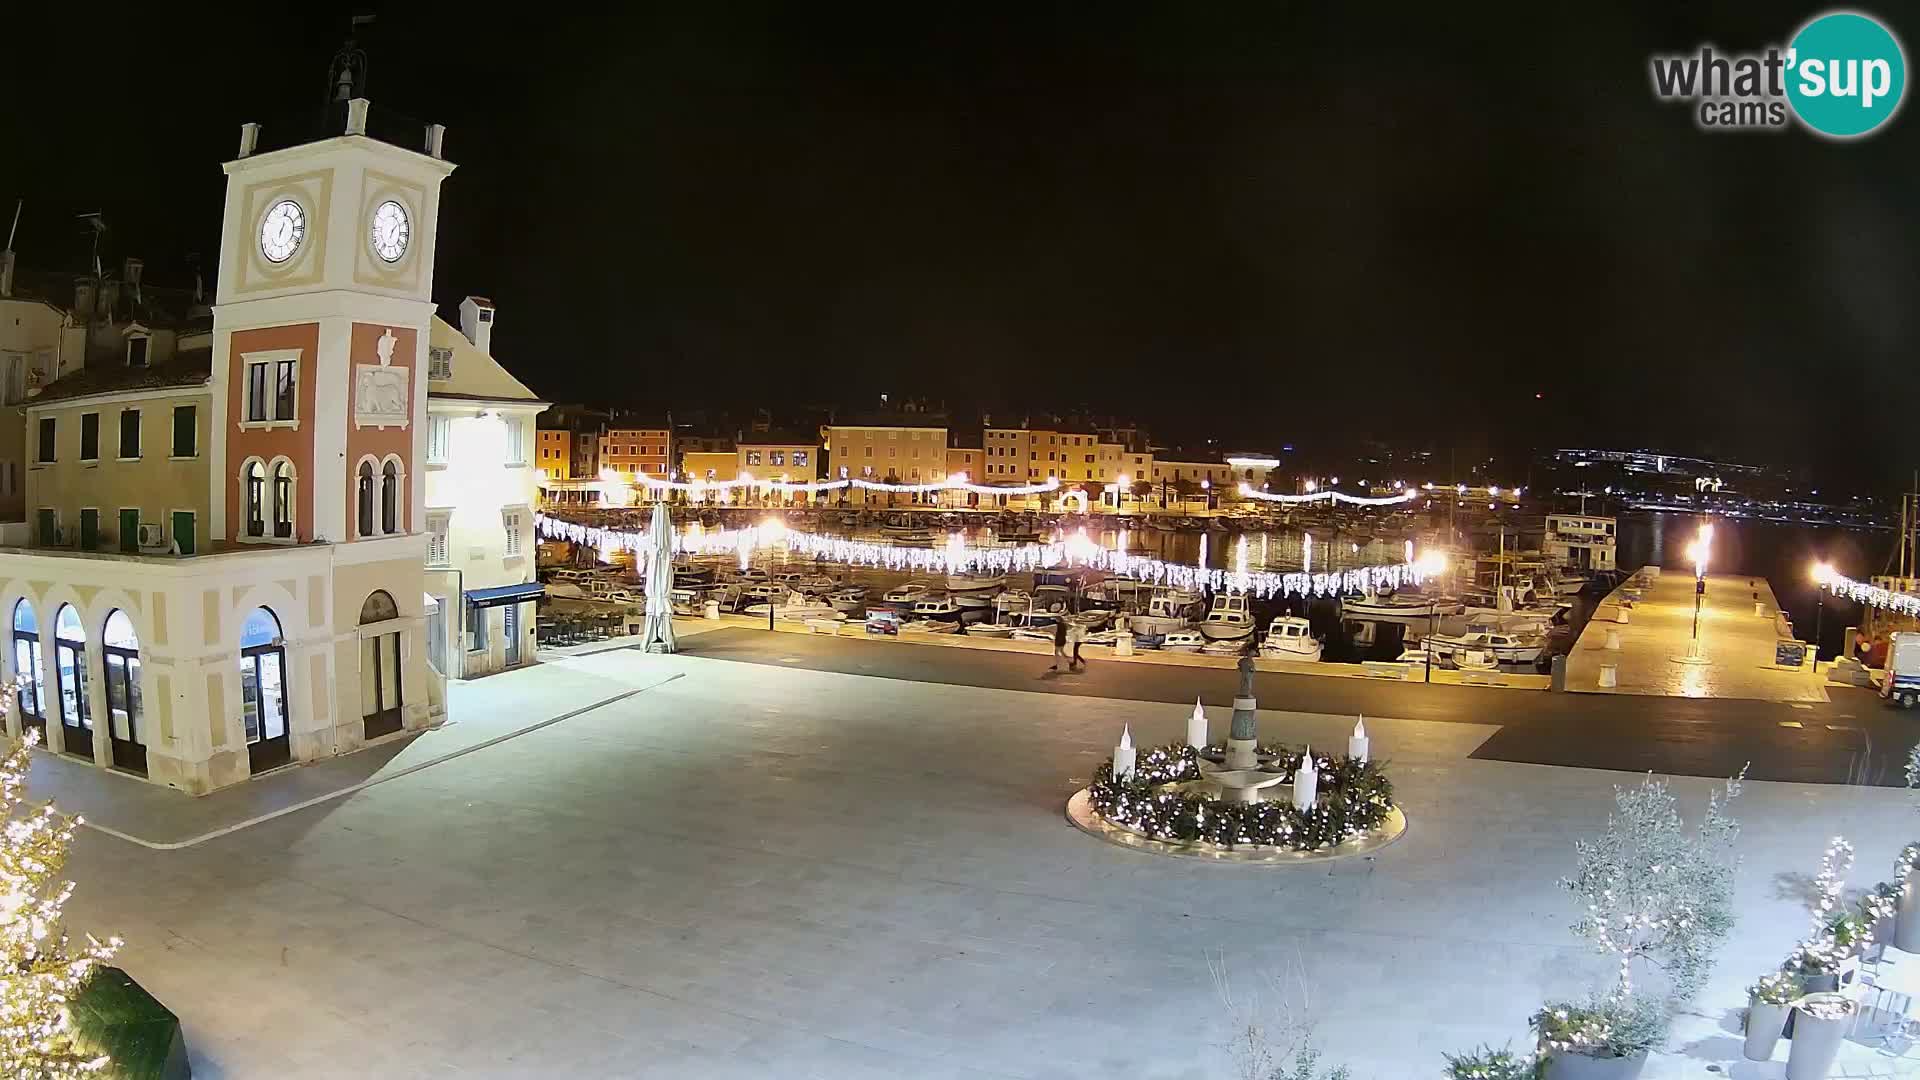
pixel 659 636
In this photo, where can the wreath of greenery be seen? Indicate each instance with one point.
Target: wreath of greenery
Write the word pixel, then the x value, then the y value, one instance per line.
pixel 1354 798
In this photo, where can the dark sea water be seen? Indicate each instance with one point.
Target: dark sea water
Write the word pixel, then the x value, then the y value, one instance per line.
pixel 1783 554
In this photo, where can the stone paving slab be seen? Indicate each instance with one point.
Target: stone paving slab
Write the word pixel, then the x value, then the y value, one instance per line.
pixel 483 711
pixel 757 871
pixel 1738 644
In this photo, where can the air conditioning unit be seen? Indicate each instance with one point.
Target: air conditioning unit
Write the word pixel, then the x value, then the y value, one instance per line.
pixel 152 537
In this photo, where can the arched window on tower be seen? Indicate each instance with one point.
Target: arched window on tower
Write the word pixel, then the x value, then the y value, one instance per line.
pixel 256 495
pixel 364 499
pixel 283 500
pixel 390 498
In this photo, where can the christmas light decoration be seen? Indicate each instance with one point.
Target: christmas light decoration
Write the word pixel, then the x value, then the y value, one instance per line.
pixel 42 975
pixel 1872 595
pixel 958 557
pixel 956 482
pixel 1248 491
pixel 1354 798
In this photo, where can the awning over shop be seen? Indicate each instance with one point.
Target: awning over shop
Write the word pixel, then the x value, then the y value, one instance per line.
pixel 506 594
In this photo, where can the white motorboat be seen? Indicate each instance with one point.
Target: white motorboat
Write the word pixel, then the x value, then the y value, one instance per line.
pixel 1399 605
pixel 1475 660
pixel 754 599
pixel 1166 613
pixel 849 600
pixel 816 584
pixel 1504 648
pixel 991 630
pixel 903 597
pixel 1229 647
pixel 1229 619
pixel 1290 637
pixel 1053 601
pixel 930 626
pixel 933 608
pixel 1182 641
pixel 975 583
pixel 799 608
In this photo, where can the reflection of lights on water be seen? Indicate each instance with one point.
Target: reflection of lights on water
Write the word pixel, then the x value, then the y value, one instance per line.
pixel 1408 549
pixel 1240 554
pixel 1306 552
pixel 1202 564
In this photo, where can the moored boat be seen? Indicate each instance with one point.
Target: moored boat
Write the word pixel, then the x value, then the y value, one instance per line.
pixel 1228 619
pixel 1182 641
pixel 1290 637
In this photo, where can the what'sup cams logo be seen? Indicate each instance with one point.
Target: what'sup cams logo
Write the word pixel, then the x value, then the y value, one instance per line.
pixel 1842 76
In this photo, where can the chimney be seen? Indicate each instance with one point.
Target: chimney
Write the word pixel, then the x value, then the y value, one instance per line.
pixel 6 272
pixel 249 138
pixel 476 321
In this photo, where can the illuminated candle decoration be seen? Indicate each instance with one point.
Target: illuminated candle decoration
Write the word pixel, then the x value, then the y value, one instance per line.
pixel 1123 754
pixel 1197 727
pixel 1357 742
pixel 1306 782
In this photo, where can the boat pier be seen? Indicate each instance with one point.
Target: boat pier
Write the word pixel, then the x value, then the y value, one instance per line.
pixel 1642 640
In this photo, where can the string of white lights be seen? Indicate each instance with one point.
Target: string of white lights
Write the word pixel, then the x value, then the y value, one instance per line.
pixel 1872 595
pixel 1248 491
pixel 956 482
pixel 958 557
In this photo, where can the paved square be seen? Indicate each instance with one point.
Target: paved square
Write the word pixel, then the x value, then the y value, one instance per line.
pixel 753 871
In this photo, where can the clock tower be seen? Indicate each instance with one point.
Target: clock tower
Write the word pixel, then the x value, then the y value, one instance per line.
pixel 320 330
pixel 317 422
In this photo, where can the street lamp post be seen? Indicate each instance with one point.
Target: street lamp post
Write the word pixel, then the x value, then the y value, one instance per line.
pixel 1822 573
pixel 1700 549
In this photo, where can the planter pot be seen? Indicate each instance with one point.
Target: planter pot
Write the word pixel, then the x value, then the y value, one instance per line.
pixel 1816 1040
pixel 1906 920
pixel 1813 984
pixel 1564 1066
pixel 1764 1025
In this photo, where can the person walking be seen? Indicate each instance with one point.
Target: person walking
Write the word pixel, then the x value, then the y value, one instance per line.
pixel 1059 643
pixel 1076 634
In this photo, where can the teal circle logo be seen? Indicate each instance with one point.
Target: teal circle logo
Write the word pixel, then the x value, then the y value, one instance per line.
pixel 1846 74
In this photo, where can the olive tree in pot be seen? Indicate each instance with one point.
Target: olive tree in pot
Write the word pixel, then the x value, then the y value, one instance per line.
pixel 1654 895
pixel 1768 1003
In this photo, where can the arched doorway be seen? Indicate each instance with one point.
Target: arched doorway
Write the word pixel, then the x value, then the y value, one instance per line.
pixel 26 663
pixel 263 689
pixel 120 652
pixel 380 692
pixel 70 681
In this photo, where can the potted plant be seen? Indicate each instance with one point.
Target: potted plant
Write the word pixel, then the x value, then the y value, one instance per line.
pixel 1820 1022
pixel 1487 1063
pixel 1768 1003
pixel 1604 1038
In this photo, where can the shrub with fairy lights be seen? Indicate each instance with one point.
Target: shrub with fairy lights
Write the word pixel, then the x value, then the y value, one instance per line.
pixel 40 973
pixel 1354 798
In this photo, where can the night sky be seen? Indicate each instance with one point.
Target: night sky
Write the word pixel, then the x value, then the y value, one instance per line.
pixel 1257 224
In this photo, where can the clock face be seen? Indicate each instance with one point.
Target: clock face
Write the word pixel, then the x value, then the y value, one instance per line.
pixel 282 230
pixel 390 231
